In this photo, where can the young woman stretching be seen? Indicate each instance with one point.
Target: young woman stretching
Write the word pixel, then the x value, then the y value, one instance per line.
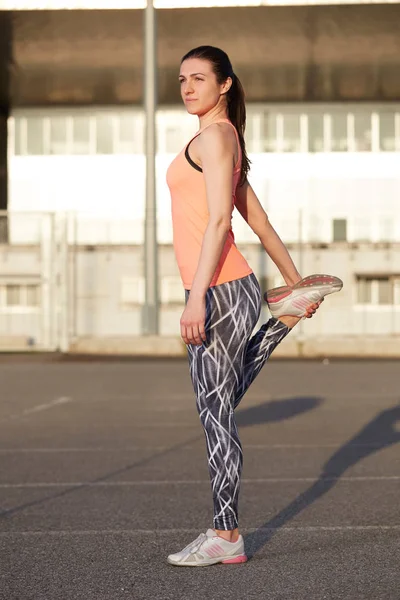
pixel 223 298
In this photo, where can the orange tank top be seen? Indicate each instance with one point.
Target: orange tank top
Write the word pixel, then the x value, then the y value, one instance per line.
pixel 190 218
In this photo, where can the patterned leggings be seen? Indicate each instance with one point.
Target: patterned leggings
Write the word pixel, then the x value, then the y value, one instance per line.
pixel 222 369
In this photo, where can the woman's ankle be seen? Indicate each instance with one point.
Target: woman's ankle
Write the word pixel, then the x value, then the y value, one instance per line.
pixel 230 535
pixel 289 321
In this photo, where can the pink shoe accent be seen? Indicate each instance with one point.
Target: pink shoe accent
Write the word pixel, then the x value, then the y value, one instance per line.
pixel 214 551
pixel 275 297
pixel 313 280
pixel 301 303
pixel 237 559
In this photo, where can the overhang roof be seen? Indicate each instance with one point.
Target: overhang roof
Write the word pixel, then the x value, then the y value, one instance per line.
pixel 302 53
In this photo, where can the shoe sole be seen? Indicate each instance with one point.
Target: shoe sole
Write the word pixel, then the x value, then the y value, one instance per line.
pixel 322 282
pixel 225 561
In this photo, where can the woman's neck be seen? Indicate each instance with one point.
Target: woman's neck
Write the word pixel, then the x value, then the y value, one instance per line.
pixel 210 118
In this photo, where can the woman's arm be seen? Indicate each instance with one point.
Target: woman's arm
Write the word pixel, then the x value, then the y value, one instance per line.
pixel 251 210
pixel 216 152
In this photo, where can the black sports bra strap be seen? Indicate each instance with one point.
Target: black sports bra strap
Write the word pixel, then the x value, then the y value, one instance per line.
pixel 190 161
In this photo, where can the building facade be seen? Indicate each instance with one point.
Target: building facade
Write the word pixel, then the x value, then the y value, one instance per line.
pixel 323 135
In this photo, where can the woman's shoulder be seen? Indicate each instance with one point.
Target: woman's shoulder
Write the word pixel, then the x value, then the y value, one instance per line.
pixel 221 133
pixel 223 127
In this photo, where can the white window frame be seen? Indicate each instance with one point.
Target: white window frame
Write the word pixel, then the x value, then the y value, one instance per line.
pixel 374 305
pixel 22 308
pixel 173 117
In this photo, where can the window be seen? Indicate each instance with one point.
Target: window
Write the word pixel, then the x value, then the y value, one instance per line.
pixel 34 135
pixel 16 297
pixel 378 290
pixel 362 132
pixel 132 292
pixel 172 291
pixel 387 135
pixel 104 134
pixel 268 133
pixel 126 133
pixel 396 290
pixel 19 135
pixel 339 142
pixel 270 128
pixel 339 230
pixel 316 133
pixel 58 135
pixel 138 138
pixel 291 133
pixel 81 135
pixel 364 295
pixel 250 132
pixel 385 292
pixel 13 295
pixel 32 295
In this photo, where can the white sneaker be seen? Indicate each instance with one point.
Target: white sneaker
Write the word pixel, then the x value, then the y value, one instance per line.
pixel 208 549
pixel 294 300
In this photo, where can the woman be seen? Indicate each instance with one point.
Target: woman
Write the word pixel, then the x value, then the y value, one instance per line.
pixel 206 180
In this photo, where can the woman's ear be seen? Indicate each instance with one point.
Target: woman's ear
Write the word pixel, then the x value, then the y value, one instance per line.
pixel 227 85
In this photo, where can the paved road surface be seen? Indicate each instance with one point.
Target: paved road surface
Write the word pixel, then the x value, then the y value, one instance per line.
pixel 103 473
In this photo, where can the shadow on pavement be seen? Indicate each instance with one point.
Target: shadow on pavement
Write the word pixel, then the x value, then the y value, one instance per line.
pixel 380 433
pixel 275 410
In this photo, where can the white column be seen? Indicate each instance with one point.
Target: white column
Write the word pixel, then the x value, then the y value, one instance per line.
pixel 151 306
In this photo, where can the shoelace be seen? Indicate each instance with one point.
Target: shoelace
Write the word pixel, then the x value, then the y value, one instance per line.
pixel 195 545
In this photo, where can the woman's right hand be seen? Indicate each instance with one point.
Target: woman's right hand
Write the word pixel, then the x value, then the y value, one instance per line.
pixel 193 322
pixel 312 308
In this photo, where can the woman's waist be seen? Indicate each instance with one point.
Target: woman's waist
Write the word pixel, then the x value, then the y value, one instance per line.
pixel 230 260
pixel 193 237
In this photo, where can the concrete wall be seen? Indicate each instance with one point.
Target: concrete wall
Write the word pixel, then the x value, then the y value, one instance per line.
pixel 109 191
pixel 97 318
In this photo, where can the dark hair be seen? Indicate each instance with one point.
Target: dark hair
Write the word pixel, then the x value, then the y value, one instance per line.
pixel 222 68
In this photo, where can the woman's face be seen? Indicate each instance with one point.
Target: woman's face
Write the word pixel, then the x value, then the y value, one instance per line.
pixel 200 90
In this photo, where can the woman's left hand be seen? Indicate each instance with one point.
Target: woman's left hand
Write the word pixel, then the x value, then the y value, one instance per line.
pixel 193 322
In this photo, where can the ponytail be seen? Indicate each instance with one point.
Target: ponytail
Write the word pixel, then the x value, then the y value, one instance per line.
pixel 237 115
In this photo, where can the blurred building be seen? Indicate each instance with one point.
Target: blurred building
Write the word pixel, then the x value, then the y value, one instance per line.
pixel 323 133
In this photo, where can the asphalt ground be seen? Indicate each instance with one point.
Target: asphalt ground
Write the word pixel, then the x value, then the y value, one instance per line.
pixel 103 473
